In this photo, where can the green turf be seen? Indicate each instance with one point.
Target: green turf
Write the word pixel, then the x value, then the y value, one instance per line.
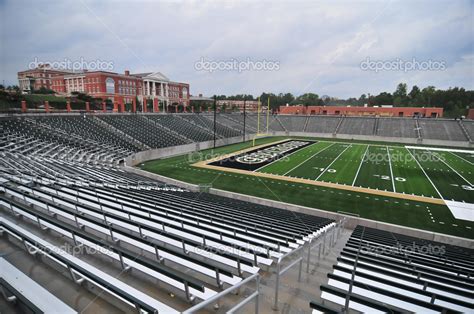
pixel 448 182
pixel 431 217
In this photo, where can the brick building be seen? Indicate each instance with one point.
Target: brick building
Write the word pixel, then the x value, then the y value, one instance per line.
pixel 364 111
pixel 118 88
pixel 34 79
pixel 250 105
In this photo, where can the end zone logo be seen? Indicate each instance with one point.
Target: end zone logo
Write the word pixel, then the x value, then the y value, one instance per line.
pixel 270 152
pixel 257 158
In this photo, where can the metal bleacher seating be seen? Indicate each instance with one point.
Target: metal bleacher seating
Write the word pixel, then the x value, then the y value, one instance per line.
pixel 441 129
pixel 357 126
pixel 293 123
pixel 380 271
pixel 322 124
pixel 397 127
pixel 206 122
pixel 181 126
pixel 194 246
pixel 143 130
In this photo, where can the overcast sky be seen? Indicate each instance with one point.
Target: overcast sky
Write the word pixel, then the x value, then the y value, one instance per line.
pixel 308 46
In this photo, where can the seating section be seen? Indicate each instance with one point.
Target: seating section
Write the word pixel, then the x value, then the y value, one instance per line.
pixel 144 130
pixel 195 245
pixel 397 127
pixel 206 122
pixel 29 136
pixel 380 271
pixel 322 124
pixel 181 126
pixel 448 130
pixel 293 123
pixel 357 126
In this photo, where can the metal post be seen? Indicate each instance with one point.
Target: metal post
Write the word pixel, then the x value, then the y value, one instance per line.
pixel 245 106
pixel 215 111
pixel 277 287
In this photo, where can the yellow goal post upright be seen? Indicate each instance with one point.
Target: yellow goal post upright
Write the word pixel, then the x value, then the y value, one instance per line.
pixel 261 133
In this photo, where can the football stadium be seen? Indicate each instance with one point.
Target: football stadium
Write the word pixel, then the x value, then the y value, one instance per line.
pixel 235 213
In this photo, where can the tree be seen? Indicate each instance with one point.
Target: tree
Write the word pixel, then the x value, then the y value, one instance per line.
pixel 400 95
pixel 308 99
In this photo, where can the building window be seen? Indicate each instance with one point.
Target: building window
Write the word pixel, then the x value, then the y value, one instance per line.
pixel 110 85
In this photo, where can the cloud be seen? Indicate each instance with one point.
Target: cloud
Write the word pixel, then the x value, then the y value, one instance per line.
pixel 319 45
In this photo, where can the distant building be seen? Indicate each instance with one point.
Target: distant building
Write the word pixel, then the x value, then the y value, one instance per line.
pixel 250 105
pixel 34 79
pixel 120 88
pixel 364 111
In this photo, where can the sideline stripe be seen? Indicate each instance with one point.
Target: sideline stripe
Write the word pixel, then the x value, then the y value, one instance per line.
pixel 360 165
pixel 308 159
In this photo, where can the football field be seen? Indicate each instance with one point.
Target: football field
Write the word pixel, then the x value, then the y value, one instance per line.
pixel 422 187
pixel 425 174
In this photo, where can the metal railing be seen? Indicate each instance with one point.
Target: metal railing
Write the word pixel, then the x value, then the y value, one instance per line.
pixel 215 298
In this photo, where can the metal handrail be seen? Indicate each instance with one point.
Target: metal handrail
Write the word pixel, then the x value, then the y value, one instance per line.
pixel 254 295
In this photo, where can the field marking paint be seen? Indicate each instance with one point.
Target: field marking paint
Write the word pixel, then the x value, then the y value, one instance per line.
pixel 360 165
pixel 308 159
pixel 461 158
pixel 333 162
pixel 444 162
pixel 258 169
pixel 429 179
pixel 391 170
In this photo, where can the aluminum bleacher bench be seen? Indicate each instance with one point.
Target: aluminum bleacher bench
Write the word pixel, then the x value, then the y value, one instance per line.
pixel 142 238
pixel 18 287
pixel 85 271
pixel 384 271
pixel 128 259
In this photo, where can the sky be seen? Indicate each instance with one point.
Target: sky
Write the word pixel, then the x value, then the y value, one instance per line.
pixel 337 48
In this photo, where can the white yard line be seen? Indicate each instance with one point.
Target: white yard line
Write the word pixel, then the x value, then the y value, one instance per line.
pixel 444 162
pixel 333 162
pixel 307 159
pixel 461 158
pixel 298 150
pixel 434 186
pixel 360 166
pixel 391 169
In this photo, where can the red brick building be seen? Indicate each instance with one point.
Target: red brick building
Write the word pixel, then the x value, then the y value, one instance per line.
pixel 250 105
pixel 119 88
pixel 41 76
pixel 364 111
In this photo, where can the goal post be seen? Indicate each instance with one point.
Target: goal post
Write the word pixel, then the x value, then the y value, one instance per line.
pixel 262 130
